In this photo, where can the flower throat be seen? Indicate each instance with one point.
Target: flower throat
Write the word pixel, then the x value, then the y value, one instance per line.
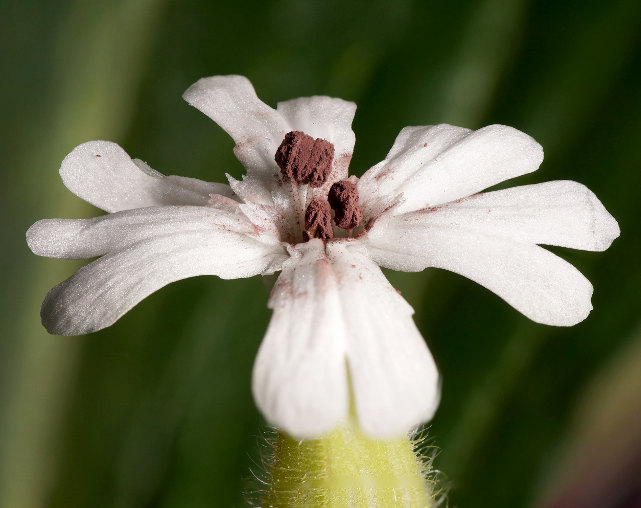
pixel 304 160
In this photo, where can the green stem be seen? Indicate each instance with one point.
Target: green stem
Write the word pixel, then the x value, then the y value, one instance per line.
pixel 347 468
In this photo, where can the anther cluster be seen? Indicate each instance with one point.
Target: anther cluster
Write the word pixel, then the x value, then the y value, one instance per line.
pixel 305 160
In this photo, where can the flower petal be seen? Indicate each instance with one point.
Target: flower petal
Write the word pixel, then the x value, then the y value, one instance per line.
pixel 333 312
pixel 300 378
pixel 101 173
pixel 327 118
pixel 98 294
pixel 87 238
pixel 562 213
pixel 433 165
pixel 534 281
pixel 394 378
pixel 251 189
pixel 256 128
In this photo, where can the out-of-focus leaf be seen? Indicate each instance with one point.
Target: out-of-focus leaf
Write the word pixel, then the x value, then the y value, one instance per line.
pixel 157 411
pixel 600 464
pixel 92 64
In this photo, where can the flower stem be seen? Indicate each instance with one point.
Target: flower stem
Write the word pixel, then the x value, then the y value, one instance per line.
pixel 346 468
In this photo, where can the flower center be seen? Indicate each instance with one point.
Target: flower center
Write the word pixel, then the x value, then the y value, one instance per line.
pixel 307 162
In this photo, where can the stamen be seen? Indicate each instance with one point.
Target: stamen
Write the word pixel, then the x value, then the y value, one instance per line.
pixel 343 198
pixel 318 220
pixel 304 159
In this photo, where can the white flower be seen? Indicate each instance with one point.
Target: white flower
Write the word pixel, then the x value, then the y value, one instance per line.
pixel 339 329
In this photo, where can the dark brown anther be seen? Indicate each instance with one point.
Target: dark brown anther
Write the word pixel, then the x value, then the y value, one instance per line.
pixel 293 152
pixel 343 198
pixel 318 220
pixel 319 164
pixel 305 159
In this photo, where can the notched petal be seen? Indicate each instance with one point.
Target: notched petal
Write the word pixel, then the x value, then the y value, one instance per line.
pixel 141 260
pixel 299 380
pixel 101 173
pixel 437 164
pixel 256 128
pixel 539 284
pixel 394 378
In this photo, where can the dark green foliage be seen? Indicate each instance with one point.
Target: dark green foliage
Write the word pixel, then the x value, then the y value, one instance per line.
pixel 157 411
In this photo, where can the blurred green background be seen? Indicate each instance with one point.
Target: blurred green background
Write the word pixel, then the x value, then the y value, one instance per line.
pixel 156 411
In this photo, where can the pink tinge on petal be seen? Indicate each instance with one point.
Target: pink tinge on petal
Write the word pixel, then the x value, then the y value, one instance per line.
pixel 224 203
pixel 395 381
pixel 299 380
